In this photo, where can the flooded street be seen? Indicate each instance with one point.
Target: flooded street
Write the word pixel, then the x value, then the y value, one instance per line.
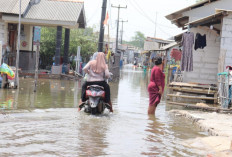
pixel 47 123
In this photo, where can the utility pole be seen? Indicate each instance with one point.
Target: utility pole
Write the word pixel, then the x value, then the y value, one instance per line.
pixel 119 7
pixel 16 83
pixel 102 29
pixel 122 29
pixel 155 23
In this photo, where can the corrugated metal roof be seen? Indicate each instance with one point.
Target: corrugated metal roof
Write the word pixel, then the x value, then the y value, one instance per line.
pixel 12 6
pixel 56 10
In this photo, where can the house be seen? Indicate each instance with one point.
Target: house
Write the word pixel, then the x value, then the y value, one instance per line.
pixel 152 43
pixel 152 47
pixel 68 14
pixel 214 19
pixel 129 53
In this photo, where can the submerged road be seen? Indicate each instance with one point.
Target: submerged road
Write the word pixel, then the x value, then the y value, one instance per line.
pixel 47 123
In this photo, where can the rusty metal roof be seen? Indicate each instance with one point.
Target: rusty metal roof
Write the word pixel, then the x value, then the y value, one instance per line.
pixel 56 10
pixel 12 6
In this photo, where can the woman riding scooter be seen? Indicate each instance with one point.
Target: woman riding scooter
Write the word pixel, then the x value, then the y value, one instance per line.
pixel 97 71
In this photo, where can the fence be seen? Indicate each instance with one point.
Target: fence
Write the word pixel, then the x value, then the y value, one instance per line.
pixel 224 89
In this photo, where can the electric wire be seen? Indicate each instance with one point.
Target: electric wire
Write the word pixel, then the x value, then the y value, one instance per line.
pixel 94 13
pixel 141 11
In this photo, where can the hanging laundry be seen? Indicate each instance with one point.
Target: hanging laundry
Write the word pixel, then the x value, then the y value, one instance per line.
pixel 200 41
pixel 187 55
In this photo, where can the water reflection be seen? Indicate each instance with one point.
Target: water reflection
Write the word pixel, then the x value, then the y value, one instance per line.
pixel 154 135
pixel 53 127
pixel 50 94
pixel 92 135
pixel 8 99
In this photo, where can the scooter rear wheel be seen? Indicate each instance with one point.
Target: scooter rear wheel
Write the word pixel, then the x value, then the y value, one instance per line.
pixel 94 110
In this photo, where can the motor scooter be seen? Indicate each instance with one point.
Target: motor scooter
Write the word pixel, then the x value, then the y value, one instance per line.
pixel 95 100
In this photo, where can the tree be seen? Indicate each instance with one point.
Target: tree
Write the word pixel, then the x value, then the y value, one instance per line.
pixel 137 40
pixel 85 38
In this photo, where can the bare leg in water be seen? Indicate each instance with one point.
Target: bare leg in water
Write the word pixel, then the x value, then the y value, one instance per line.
pixel 151 109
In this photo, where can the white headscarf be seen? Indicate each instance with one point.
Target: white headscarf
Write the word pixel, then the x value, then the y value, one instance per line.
pixel 94 57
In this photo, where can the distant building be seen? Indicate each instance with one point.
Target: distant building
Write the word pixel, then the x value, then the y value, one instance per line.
pixel 48 13
pixel 155 43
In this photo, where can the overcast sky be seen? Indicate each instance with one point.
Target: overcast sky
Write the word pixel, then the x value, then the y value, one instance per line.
pixel 141 16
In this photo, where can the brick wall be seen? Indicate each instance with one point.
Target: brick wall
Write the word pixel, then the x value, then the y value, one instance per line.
pixel 205 61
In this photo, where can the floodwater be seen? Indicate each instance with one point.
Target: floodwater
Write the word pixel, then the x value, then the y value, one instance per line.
pixel 47 123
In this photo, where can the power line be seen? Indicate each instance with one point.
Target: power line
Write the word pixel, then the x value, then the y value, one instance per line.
pixel 122 29
pixel 118 7
pixel 141 11
pixel 165 32
pixel 94 13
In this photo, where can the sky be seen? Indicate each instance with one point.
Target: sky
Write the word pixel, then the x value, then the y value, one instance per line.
pixel 142 15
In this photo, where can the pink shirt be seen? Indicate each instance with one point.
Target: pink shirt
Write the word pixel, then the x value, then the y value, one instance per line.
pixel 92 76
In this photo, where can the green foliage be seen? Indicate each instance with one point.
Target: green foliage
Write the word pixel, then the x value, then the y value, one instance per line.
pixel 47 46
pixel 78 37
pixel 137 40
pixel 85 38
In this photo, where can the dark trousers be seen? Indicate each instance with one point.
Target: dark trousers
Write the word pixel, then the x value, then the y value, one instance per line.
pixel 99 83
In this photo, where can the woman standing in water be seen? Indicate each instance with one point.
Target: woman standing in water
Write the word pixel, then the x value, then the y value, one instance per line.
pixel 156 85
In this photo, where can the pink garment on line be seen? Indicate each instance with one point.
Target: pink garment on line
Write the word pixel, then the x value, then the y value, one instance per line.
pixel 157 79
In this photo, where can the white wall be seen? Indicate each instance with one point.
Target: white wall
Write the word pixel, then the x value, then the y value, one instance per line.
pixel 2 31
pixel 208 9
pixel 27 38
pixel 205 61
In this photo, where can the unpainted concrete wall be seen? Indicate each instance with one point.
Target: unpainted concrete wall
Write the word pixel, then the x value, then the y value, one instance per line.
pixel 226 44
pixel 205 61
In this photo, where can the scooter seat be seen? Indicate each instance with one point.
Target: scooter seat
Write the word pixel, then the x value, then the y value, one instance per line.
pixel 95 86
